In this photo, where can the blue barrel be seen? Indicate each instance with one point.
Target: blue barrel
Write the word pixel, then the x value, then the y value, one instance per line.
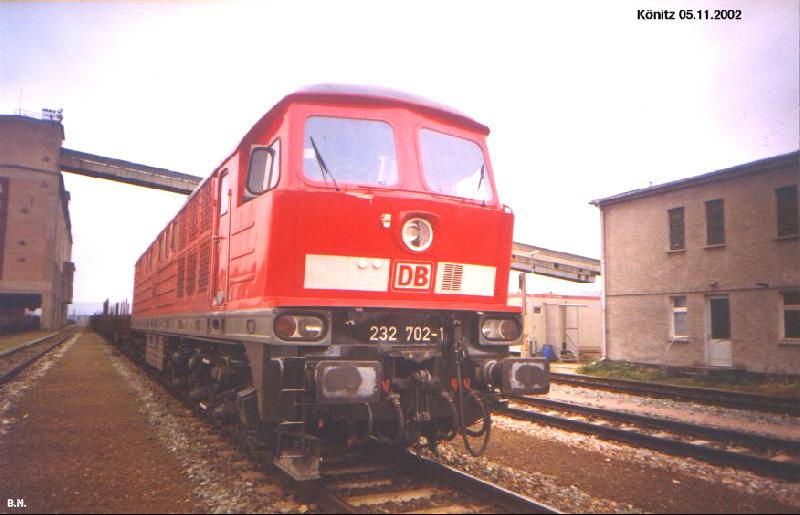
pixel 549 353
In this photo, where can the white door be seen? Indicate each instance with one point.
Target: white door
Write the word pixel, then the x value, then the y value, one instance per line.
pixel 552 323
pixel 571 323
pixel 718 346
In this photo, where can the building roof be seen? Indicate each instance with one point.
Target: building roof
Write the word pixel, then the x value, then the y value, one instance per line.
pixel 34 119
pixel 556 296
pixel 769 163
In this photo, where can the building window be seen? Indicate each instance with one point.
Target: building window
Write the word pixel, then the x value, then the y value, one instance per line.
pixel 790 315
pixel 679 314
pixel 676 229
pixel 788 217
pixel 715 222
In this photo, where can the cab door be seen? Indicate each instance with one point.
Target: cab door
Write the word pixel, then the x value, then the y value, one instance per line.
pixel 222 240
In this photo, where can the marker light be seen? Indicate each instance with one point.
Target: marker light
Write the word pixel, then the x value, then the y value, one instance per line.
pixel 299 327
pixel 500 329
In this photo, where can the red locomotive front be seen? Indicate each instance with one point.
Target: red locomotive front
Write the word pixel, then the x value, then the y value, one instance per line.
pixel 343 274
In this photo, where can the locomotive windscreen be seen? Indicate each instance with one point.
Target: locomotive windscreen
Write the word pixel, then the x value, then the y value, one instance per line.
pixel 345 150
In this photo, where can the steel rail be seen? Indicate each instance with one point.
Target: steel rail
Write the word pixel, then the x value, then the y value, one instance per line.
pixel 60 338
pixel 407 463
pixel 752 439
pixel 327 499
pixel 750 462
pixel 510 502
pixel 725 398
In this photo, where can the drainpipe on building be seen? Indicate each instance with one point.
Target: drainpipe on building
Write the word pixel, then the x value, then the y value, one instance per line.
pixel 523 288
pixel 603 286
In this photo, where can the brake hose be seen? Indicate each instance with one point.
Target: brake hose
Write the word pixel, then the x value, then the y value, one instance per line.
pixel 451 433
pixel 487 420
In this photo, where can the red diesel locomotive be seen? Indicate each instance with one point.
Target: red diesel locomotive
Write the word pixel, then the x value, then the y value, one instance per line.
pixel 342 275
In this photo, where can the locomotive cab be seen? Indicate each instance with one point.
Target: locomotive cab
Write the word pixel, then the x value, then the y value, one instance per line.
pixel 355 274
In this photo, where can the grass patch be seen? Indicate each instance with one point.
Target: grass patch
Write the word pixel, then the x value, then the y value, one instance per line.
pixel 619 370
pixel 738 380
pixel 779 386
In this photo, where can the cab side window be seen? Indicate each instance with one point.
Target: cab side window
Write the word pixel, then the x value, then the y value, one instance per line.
pixel 263 172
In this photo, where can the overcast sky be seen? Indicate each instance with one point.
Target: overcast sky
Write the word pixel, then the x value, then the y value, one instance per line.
pixel 584 100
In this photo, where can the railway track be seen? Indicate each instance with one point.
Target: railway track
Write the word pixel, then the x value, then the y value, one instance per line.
pixel 714 397
pixel 387 480
pixel 383 479
pixel 14 361
pixel 761 454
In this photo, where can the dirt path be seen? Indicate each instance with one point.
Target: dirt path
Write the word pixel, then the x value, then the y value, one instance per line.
pixel 80 445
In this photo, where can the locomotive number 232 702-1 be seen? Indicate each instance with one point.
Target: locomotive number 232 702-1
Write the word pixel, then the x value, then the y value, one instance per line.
pixel 412 334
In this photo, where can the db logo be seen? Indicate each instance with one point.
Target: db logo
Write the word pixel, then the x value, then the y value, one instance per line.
pixel 413 276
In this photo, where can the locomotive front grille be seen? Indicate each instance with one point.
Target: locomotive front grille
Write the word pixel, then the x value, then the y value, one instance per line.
pixel 451 277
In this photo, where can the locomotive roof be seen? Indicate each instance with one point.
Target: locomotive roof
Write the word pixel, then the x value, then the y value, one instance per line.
pixel 350 94
pixel 361 94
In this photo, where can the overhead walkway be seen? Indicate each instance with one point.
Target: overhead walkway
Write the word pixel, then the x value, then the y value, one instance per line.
pixel 552 263
pixel 91 165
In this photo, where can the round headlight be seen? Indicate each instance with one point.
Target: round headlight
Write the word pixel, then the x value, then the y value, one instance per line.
pixel 500 329
pixel 417 234
pixel 508 329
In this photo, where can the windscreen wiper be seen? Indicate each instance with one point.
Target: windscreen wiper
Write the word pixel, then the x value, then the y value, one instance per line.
pixel 322 165
pixel 480 181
